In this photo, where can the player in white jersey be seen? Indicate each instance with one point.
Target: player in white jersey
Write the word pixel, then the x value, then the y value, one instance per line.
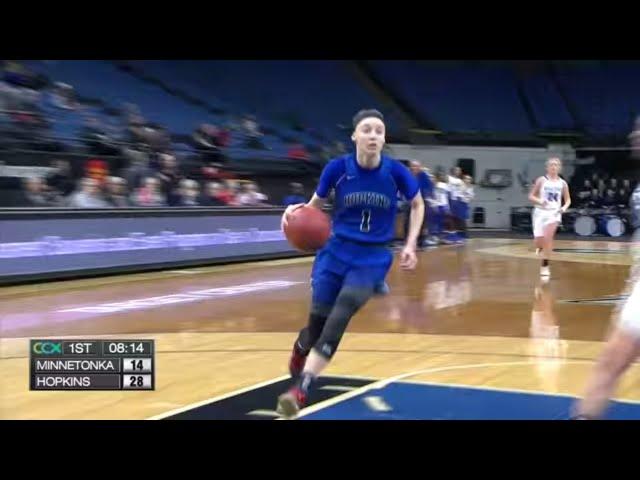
pixel 623 345
pixel 466 196
pixel 547 195
pixel 439 206
pixel 456 187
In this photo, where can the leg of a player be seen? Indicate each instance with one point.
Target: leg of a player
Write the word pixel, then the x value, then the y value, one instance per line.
pixel 621 350
pixel 308 336
pixel 350 299
pixel 547 247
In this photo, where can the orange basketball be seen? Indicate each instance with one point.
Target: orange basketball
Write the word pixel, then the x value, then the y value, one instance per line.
pixel 308 229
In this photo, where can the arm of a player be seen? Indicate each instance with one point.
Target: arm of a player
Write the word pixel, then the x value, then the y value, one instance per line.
pixel 567 197
pixel 408 186
pixel 535 191
pixel 408 258
pixel 415 220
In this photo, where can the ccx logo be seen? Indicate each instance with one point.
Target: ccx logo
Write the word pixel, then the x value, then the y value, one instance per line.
pixel 47 348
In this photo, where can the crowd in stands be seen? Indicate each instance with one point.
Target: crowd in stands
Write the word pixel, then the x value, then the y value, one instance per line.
pixel 141 187
pixel 601 191
pixel 130 161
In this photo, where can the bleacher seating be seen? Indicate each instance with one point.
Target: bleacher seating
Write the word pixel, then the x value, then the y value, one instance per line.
pixel 318 94
pixel 548 106
pixel 458 96
pixel 104 81
pixel 604 94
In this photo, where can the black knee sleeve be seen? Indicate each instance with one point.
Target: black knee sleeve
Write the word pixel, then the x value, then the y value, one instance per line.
pixel 349 301
pixel 309 335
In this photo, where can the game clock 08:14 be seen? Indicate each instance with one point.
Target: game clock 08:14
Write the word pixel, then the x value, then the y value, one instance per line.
pixel 128 348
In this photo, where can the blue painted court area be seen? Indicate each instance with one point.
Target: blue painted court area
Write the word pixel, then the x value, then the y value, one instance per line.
pixel 413 401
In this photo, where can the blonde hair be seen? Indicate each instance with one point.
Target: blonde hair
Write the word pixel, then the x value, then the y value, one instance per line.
pixel 553 159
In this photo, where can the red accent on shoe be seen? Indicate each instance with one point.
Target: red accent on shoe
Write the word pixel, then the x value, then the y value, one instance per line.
pixel 290 403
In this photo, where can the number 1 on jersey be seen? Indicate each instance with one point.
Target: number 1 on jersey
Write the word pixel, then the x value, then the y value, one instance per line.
pixel 366 220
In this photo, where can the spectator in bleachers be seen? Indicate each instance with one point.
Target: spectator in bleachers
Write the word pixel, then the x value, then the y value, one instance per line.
pixel 325 154
pixel 298 152
pixel 138 168
pixel 582 197
pixel 624 193
pixel 17 74
pixel 339 149
pixel 212 172
pixel 251 131
pixel 212 195
pixel 88 195
pixel 209 140
pixel 63 96
pixel 622 196
pixel 95 137
pixel 116 192
pixel 613 184
pixel 595 200
pixel 35 193
pixel 97 169
pixel 169 177
pixel 296 194
pixel 634 139
pixel 189 192
pixel 251 196
pixel 149 194
pixel 610 198
pixel 60 180
pixel 602 187
pixel 229 194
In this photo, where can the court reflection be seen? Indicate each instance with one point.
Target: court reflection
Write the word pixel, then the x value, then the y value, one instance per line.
pixel 548 351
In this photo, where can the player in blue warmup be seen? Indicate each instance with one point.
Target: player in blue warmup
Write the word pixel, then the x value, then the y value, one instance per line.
pixel 355 261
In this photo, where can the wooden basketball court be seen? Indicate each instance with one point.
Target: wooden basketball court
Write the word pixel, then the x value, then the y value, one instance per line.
pixel 472 316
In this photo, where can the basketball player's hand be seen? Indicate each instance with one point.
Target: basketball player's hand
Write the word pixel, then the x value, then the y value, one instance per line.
pixel 285 216
pixel 408 259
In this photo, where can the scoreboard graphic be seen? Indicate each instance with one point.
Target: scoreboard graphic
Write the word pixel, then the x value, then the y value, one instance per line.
pixel 92 364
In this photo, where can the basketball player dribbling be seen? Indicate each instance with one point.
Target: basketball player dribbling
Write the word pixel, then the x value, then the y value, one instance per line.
pixel 547 195
pixel 623 345
pixel 353 264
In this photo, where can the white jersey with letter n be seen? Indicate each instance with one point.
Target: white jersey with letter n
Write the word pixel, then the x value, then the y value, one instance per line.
pixel 549 212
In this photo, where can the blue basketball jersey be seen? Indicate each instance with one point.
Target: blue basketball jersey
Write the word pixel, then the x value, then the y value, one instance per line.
pixel 366 200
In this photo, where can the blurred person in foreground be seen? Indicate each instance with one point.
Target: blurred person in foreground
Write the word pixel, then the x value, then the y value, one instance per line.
pixel 623 344
pixel 88 195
